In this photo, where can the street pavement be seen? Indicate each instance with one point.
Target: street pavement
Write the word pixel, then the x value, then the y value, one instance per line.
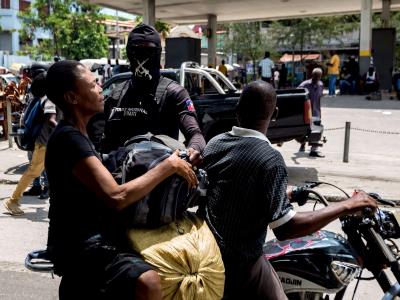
pixel 374 165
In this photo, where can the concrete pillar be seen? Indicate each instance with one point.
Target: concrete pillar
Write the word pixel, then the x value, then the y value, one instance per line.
pixel 212 40
pixel 385 13
pixel 15 26
pixel 365 35
pixel 149 12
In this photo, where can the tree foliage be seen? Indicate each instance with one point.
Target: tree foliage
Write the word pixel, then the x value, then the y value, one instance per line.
pixel 313 31
pixel 74 26
pixel 247 40
pixel 162 28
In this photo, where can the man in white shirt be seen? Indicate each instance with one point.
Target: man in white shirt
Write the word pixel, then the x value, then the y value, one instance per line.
pixel 276 79
pixel 266 67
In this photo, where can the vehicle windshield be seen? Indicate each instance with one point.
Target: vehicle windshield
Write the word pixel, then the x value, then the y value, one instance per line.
pixel 11 78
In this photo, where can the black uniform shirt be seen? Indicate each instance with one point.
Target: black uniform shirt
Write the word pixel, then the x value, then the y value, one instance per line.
pixel 139 113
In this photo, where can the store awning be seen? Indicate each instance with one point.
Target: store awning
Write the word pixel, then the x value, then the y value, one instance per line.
pixel 297 57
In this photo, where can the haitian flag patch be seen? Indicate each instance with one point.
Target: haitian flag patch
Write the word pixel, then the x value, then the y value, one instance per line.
pixel 189 105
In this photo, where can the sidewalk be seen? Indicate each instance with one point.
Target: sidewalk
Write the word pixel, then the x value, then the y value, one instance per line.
pixel 374 156
pixel 20 235
pixel 13 162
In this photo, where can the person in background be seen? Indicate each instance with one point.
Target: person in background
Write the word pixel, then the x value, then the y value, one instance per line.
pixel 315 88
pixel 222 68
pixel 354 70
pixel 266 68
pixel 248 192
pixel 107 71
pixel 333 72
pixel 276 79
pixel 40 185
pixel 283 76
pixel 36 166
pixel 349 77
pixel 345 80
pixel 371 83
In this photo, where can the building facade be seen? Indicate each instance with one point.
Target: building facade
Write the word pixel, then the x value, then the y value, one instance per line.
pixel 10 24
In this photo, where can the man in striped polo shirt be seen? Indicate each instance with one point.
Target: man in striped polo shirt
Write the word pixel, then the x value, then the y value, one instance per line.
pixel 247 192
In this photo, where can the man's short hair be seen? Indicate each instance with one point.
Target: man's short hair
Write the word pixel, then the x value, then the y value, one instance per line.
pixel 257 102
pixel 267 54
pixel 317 71
pixel 38 86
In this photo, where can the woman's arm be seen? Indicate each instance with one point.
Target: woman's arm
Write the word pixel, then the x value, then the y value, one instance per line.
pixel 91 172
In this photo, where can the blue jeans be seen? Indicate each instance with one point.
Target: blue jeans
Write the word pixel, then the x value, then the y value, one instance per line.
pixel 332 84
pixel 346 86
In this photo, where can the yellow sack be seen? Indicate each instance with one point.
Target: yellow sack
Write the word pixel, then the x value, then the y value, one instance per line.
pixel 186 256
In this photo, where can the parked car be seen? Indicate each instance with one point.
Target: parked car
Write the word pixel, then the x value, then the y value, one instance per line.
pixel 215 99
pixel 5 79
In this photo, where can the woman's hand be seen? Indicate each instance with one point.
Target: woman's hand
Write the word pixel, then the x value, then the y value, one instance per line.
pixel 183 169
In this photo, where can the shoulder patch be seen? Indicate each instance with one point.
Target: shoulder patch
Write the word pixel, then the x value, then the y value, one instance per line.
pixel 189 104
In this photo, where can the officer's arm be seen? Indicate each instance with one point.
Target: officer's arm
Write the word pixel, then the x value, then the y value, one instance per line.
pixel 188 124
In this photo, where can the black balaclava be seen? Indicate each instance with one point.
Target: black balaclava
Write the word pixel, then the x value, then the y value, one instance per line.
pixel 144 60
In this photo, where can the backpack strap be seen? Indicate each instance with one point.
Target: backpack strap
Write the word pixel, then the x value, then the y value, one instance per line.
pixel 161 92
pixel 159 138
pixel 160 95
pixel 120 91
pixel 139 138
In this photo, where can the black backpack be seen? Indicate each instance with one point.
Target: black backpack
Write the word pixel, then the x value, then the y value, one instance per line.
pixel 33 121
pixel 170 198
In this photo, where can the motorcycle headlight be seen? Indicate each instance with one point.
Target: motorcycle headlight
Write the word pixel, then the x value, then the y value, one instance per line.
pixel 345 272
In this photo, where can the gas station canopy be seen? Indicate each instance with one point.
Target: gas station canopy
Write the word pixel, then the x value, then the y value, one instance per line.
pixel 196 11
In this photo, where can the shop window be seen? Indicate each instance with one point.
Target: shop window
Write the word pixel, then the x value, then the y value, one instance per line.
pixel 5 3
pixel 24 5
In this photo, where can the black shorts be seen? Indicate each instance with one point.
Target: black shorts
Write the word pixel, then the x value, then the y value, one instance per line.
pixel 102 272
pixel 258 281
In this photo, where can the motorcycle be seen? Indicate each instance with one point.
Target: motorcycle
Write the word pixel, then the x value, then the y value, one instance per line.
pixel 17 129
pixel 17 123
pixel 324 263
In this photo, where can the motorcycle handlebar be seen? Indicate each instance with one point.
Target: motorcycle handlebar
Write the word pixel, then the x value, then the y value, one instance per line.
pixel 310 185
pixel 382 201
pixel 393 292
pixel 320 198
